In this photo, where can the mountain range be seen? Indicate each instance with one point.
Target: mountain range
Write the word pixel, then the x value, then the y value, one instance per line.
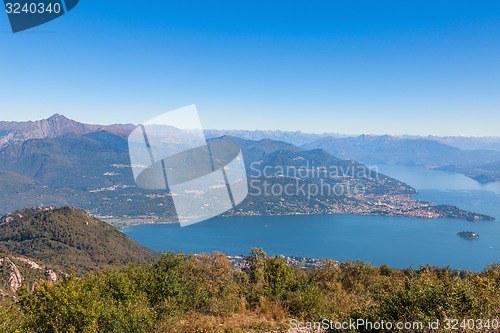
pixel 393 150
pixel 481 165
pixel 58 161
pixel 52 127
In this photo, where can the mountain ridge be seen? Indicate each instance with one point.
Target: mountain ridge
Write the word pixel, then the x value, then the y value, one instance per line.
pixel 92 171
pixel 396 151
pixel 55 126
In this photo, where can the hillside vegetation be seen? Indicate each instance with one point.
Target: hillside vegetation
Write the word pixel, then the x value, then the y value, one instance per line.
pixel 68 239
pixel 187 294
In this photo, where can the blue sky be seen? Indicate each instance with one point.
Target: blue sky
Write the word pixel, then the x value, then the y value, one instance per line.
pixel 374 67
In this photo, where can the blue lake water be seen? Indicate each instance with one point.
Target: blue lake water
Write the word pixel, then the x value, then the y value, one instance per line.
pixel 396 241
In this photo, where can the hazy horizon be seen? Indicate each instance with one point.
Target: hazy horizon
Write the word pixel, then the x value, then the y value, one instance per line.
pixel 271 130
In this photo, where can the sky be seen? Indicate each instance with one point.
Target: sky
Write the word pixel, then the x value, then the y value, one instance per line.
pixel 373 67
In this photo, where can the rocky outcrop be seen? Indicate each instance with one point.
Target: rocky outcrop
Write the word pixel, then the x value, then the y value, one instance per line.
pixel 19 214
pixel 29 262
pixel 50 275
pixel 16 272
pixel 12 280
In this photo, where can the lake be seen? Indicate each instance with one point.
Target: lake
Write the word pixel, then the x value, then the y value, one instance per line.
pixel 396 241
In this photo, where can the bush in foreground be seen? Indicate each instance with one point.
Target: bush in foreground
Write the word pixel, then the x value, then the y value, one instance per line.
pixel 203 293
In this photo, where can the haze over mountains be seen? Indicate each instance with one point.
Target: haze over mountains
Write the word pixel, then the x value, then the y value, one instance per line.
pixel 392 150
pixel 477 157
pixel 58 125
pixel 58 161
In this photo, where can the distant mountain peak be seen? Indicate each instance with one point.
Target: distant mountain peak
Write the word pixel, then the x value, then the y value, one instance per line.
pixel 55 126
pixel 59 117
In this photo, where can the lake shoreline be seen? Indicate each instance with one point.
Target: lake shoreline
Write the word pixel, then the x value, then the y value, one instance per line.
pixel 122 224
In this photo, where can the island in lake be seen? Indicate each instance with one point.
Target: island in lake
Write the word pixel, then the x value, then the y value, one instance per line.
pixel 469 235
